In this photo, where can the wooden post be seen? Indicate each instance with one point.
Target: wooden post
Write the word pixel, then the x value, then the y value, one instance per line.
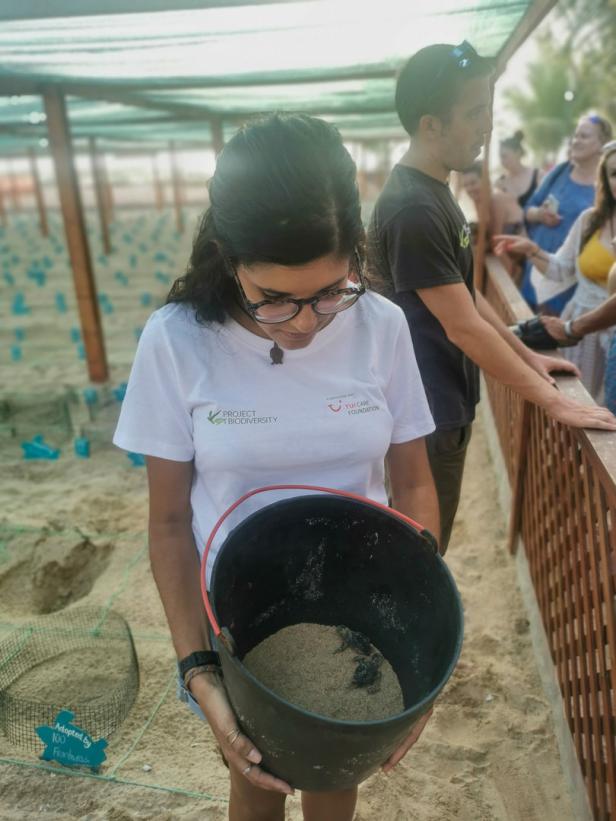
pixel 107 188
pixel 159 193
pixel 177 189
pixel 484 210
pixel 99 190
pixel 38 193
pixel 75 227
pixel 218 139
pixel 3 219
pixel 14 188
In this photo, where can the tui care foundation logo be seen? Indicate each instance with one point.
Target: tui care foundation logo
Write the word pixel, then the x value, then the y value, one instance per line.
pixel 239 417
pixel 348 405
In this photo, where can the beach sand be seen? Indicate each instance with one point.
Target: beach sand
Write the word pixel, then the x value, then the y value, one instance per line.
pixel 488 753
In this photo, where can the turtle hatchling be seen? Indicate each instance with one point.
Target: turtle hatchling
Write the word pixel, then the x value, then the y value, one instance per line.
pixel 368 672
pixel 353 639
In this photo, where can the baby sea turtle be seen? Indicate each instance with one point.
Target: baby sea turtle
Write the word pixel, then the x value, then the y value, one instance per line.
pixel 353 639
pixel 368 672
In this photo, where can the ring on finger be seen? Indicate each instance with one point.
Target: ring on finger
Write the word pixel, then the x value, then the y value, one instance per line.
pixel 247 769
pixel 233 736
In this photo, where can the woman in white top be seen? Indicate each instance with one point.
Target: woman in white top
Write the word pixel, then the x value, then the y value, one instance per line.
pixel 589 252
pixel 271 363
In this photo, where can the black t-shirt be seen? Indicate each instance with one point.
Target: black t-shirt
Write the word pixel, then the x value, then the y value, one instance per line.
pixel 419 238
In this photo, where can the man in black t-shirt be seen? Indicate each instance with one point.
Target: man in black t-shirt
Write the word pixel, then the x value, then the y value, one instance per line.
pixel 419 242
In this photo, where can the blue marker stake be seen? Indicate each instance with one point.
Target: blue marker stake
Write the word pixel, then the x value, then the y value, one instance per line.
pixel 60 303
pixel 20 334
pixel 19 307
pixel 9 278
pixel 39 449
pixel 90 396
pixel 81 351
pixel 16 353
pixel 82 447
pixel 120 391
pixel 145 299
pixel 75 335
pixel 137 459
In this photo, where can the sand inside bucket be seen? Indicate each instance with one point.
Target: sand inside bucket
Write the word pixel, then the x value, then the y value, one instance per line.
pixel 308 665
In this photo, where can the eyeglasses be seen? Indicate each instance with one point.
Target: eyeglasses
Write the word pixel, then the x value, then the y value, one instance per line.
pixel 271 311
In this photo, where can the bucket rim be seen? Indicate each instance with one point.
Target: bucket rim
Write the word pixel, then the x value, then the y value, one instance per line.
pixel 425 702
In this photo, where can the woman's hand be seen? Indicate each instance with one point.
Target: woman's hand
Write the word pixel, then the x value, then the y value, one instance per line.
pixel 238 750
pixel 406 745
pixel 511 243
pixel 544 215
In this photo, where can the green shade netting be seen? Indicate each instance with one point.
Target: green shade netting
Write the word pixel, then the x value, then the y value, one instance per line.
pixel 161 75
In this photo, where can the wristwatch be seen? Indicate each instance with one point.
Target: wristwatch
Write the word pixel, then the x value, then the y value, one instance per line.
pixel 201 658
pixel 568 329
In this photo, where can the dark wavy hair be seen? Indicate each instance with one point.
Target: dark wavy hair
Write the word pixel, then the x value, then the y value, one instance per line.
pixel 604 206
pixel 514 143
pixel 284 191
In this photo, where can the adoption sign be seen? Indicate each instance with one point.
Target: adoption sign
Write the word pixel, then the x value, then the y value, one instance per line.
pixel 70 745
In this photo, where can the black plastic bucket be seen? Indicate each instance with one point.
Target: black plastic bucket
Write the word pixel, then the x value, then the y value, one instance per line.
pixel 336 561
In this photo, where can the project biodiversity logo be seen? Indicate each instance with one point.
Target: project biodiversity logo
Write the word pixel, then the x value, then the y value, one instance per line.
pixel 239 417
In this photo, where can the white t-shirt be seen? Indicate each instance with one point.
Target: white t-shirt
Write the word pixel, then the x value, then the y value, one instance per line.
pixel 325 416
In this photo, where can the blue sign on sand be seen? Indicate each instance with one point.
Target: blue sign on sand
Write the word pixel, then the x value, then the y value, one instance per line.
pixel 70 745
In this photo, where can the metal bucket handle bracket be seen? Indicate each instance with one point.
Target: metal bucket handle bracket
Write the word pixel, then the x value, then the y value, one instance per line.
pixel 223 634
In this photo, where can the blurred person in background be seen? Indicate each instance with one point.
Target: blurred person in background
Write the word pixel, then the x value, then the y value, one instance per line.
pixel 505 216
pixel 560 199
pixel 588 255
pixel 519 180
pixel 590 322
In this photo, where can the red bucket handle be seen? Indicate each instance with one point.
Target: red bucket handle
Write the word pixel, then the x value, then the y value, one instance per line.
pixel 347 495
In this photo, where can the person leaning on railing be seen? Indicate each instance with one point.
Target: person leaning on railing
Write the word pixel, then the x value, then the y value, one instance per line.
pixel 566 191
pixel 420 242
pixel 589 252
pixel 571 331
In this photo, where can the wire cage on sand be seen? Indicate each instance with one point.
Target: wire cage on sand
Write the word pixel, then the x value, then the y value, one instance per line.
pixel 82 660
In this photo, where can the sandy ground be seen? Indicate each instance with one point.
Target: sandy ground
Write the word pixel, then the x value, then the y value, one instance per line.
pixel 489 752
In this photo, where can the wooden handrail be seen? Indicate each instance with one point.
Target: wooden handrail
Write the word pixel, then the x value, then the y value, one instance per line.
pixel 564 516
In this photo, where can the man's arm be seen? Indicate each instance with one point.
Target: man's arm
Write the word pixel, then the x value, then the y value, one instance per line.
pixel 454 308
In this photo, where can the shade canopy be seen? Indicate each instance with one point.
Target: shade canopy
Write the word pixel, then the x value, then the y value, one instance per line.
pixel 149 75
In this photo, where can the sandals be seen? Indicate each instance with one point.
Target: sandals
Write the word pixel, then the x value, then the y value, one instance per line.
pixel 532 332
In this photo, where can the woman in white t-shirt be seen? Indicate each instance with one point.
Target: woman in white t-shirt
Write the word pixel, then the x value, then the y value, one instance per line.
pixel 270 363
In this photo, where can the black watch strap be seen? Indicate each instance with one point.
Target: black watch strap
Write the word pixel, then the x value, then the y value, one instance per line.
pixel 199 659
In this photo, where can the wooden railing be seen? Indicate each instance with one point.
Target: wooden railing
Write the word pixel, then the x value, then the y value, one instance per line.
pixel 563 516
